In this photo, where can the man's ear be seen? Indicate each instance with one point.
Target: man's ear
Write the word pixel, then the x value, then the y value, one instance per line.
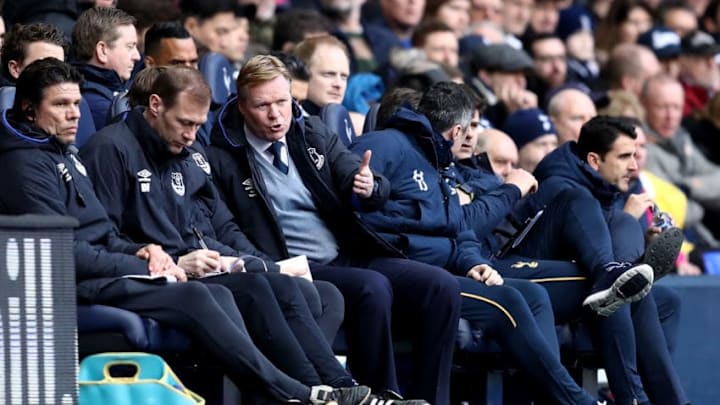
pixel 149 61
pixel 191 24
pixel 155 105
pixel 101 51
pixel 593 159
pixel 14 68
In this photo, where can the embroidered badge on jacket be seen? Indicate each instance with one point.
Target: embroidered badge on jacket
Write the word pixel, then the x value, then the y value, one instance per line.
pixel 317 158
pixel 249 187
pixel 64 172
pixel 78 165
pixel 177 183
pixel 144 180
pixel 419 178
pixel 201 162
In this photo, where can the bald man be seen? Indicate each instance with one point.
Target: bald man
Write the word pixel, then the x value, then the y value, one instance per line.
pixel 569 109
pixel 629 67
pixel 501 150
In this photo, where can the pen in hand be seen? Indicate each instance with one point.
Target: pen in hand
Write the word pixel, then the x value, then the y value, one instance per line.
pixel 200 239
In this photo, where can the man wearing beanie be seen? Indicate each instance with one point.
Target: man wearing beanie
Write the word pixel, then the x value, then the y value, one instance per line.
pixel 533 133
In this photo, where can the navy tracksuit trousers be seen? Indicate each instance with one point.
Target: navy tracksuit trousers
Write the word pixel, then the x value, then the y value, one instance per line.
pixel 574 227
pixel 208 314
pixel 278 318
pixel 423 300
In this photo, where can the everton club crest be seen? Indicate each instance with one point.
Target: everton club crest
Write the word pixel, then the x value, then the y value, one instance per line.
pixel 177 183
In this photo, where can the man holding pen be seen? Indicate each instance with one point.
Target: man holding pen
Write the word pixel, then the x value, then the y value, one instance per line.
pixel 156 186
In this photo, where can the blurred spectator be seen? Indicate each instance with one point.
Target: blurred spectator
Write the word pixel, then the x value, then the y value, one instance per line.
pixel 210 22
pixel 672 154
pixel 699 73
pixel 482 33
pixel 629 67
pixel 170 44
pixel 533 134
pixel 704 127
pixel 678 16
pixel 569 109
pixel 498 75
pixel 294 26
pixel 544 18
pixel 60 13
pixel 25 44
pixel 626 20
pixel 454 13
pixel 369 46
pixel 105 46
pixel 516 16
pixel 402 16
pixel 438 41
pixel 147 13
pixel 665 44
pixel 487 10
pixel 549 63
pixel 240 36
pixel 501 151
pixel 698 6
pixel 576 29
pixel 710 21
pixel 623 103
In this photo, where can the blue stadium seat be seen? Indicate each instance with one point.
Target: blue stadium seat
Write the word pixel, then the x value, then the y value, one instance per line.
pixel 218 71
pixel 7 97
pixel 371 118
pixel 337 118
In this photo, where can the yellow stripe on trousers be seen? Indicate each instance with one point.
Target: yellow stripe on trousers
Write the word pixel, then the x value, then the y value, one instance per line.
pixel 493 303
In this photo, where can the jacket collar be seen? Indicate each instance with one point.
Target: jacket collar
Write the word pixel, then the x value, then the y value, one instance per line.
pixel 151 142
pixel 564 162
pixel 229 131
pixel 104 77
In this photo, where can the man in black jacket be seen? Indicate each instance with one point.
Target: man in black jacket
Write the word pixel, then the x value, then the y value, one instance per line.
pixel 157 187
pixel 292 186
pixel 45 176
pixel 104 42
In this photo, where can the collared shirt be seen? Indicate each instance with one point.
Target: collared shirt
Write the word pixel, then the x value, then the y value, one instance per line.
pixel 262 147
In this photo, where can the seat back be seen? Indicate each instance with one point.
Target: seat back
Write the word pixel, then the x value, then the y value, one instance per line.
pixel 7 97
pixel 86 125
pixel 371 118
pixel 218 71
pixel 120 105
pixel 337 118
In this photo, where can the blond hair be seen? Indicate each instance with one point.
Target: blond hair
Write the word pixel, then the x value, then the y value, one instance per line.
pixel 258 70
pixel 624 103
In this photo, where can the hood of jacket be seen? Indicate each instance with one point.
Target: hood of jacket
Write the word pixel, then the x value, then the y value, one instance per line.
pixel 416 126
pixel 104 77
pixel 18 134
pixel 563 164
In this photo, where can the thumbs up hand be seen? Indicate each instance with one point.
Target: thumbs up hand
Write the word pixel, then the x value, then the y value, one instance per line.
pixel 364 182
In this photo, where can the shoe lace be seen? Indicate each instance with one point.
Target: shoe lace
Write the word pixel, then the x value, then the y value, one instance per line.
pixel 612 266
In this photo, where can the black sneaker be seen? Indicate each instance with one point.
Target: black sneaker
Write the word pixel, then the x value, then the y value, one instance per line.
pixel 622 283
pixel 663 250
pixel 326 395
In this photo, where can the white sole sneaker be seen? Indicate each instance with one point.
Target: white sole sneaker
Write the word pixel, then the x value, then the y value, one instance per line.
pixel 633 285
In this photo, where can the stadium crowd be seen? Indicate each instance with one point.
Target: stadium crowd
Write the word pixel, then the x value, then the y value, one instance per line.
pixel 384 167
